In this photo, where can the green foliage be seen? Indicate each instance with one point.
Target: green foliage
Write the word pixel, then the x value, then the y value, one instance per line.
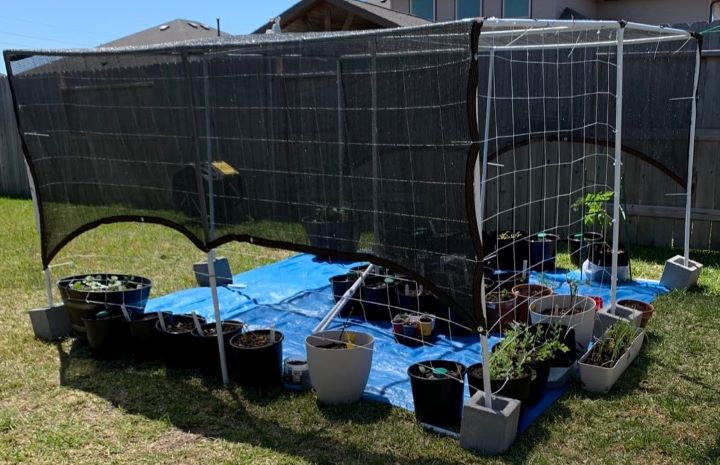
pixel 99 284
pixel 593 206
pixel 613 344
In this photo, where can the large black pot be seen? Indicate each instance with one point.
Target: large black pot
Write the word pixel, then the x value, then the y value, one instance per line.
pixel 579 246
pixel 177 347
pixel 518 388
pixel 143 338
pixel 560 359
pixel 81 303
pixel 256 366
pixel 438 402
pixel 423 303
pixel 510 253
pixel 543 247
pixel 378 299
pixel 539 382
pixel 340 284
pixel 602 255
pixel 106 333
pixel 207 352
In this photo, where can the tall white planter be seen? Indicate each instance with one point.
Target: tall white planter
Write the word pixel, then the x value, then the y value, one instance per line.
pixel 601 379
pixel 339 376
pixel 582 320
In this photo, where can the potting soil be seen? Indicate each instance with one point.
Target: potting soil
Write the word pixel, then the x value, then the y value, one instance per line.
pixel 293 295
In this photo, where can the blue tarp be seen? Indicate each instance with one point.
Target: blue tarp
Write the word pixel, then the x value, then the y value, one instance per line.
pixel 294 294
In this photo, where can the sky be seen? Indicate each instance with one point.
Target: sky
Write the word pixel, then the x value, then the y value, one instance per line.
pixel 88 23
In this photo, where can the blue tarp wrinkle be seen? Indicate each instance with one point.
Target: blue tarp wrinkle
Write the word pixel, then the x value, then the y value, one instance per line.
pixel 294 294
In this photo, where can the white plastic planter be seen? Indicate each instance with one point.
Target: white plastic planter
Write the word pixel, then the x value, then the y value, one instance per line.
pixel 339 376
pixel 601 379
pixel 582 321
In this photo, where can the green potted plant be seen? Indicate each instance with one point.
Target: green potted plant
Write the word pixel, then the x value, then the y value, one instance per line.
pixel 86 295
pixel 572 310
pixel 509 377
pixel 438 388
pixel 603 365
pixel 501 310
pixel 595 214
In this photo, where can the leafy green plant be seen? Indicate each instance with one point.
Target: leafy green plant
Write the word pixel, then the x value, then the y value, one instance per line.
pixel 99 284
pixel 592 204
pixel 612 345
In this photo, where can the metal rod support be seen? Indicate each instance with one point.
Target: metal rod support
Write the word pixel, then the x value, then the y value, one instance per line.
pixel 691 159
pixel 343 300
pixel 218 320
pixel 618 171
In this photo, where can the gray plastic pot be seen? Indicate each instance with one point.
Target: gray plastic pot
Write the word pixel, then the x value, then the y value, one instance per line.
pixel 602 379
pixel 582 322
pixel 339 376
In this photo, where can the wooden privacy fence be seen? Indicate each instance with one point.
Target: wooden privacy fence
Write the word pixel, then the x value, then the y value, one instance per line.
pixel 13 176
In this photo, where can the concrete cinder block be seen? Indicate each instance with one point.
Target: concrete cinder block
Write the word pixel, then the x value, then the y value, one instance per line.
pixel 50 323
pixel 489 431
pixel 223 275
pixel 678 276
pixel 631 315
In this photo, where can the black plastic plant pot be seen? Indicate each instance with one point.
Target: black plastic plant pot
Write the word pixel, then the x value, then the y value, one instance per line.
pixel 378 298
pixel 80 303
pixel 560 359
pixel 504 280
pixel 543 247
pixel 539 382
pixel 143 338
pixel 106 333
pixel 340 284
pixel 438 400
pixel 207 351
pixel 517 388
pixel 176 343
pixel 409 300
pixel 510 249
pixel 579 246
pixel 601 255
pixel 256 361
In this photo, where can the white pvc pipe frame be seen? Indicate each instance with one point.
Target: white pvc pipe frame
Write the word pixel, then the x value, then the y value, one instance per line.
pixel 343 300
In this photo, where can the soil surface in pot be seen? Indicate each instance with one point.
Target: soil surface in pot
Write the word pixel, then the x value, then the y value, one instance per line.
pixel 439 373
pixel 226 328
pixel 635 305
pixel 563 311
pixel 180 327
pixel 532 291
pixel 333 345
pixel 254 339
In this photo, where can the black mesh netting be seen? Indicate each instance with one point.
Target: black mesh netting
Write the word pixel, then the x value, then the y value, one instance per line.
pixel 353 144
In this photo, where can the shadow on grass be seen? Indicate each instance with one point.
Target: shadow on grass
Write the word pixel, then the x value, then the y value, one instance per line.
pixel 242 415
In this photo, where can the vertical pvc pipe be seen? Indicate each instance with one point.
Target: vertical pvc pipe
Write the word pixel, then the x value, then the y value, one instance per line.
pixel 374 135
pixel 341 139
pixel 618 169
pixel 691 159
pixel 485 347
pixel 218 321
pixel 480 187
pixel 36 210
pixel 208 149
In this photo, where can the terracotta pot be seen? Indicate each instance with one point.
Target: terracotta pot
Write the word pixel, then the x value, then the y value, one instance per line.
pixel 646 309
pixel 523 293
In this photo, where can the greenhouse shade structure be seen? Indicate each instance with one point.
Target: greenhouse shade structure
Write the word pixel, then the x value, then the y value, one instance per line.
pixel 366 145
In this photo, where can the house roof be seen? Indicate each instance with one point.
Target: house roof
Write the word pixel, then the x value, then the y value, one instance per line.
pixel 178 30
pixel 376 14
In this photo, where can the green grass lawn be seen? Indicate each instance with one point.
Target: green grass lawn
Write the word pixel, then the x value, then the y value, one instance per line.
pixel 60 406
